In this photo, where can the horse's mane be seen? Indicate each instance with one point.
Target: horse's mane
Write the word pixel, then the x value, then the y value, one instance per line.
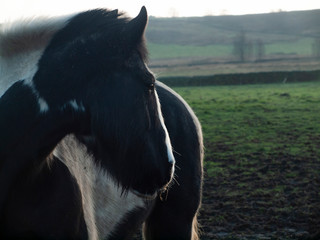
pixel 28 34
pixel 22 42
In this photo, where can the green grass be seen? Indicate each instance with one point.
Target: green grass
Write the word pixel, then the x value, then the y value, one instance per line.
pixel 162 51
pixel 248 122
pixel 303 46
pixel 299 47
pixel 262 157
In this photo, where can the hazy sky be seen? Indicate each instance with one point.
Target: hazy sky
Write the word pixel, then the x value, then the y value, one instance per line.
pixel 11 9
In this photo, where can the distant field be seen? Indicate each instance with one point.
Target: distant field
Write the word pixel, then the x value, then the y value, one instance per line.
pixel 165 51
pixel 262 160
pixel 210 67
pixel 302 46
pixel 187 60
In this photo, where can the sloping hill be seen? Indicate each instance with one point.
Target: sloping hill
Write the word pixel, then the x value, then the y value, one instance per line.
pixel 281 26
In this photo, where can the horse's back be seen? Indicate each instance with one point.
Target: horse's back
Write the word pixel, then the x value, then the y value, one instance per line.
pixel 175 213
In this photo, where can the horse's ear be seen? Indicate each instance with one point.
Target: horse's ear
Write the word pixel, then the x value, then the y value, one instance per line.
pixel 136 27
pixel 114 13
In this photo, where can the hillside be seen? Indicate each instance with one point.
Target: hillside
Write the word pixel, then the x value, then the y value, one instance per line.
pixel 281 26
pixel 282 41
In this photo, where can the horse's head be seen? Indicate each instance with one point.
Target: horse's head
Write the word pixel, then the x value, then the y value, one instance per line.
pixel 97 65
pixel 128 134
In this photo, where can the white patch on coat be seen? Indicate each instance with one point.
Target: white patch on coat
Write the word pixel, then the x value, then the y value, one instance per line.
pixel 104 205
pixel 22 44
pixel 43 105
pixel 75 105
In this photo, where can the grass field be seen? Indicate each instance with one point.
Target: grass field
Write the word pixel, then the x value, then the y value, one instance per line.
pixel 189 60
pixel 263 119
pixel 160 51
pixel 262 159
pixel 302 46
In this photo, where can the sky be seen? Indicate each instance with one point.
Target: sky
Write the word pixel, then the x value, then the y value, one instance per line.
pixel 13 9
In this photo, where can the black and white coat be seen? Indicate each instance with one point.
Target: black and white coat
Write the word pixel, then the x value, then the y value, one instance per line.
pixel 71 195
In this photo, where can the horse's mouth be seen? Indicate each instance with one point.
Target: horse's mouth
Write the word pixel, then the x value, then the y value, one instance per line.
pixel 148 197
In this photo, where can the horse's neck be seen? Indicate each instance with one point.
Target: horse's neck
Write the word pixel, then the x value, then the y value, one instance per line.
pixel 21 46
pixel 103 202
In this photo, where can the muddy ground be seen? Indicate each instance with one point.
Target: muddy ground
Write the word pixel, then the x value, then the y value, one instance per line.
pixel 277 200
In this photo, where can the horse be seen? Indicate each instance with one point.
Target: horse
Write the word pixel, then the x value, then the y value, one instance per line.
pixel 92 146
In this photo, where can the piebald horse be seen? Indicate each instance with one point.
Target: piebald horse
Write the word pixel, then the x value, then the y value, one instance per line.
pixel 92 146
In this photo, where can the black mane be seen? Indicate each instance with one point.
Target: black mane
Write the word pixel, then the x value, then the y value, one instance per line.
pixel 92 43
pixel 96 25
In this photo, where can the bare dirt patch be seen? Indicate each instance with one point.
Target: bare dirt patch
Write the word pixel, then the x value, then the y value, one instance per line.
pixel 279 200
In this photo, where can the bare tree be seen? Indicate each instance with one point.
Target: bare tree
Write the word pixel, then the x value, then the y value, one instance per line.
pixel 316 48
pixel 242 47
pixel 239 46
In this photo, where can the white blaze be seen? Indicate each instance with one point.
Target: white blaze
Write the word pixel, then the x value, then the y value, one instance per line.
pixel 168 142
